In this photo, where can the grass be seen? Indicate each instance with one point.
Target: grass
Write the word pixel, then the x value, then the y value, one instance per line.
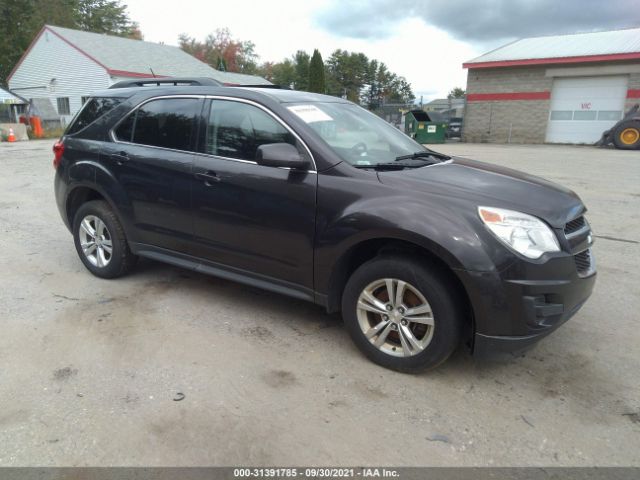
pixel 52 133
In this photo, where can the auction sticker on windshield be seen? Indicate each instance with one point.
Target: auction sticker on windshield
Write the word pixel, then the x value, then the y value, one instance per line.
pixel 310 113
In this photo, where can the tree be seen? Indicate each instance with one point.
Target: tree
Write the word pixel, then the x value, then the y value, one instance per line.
pixel 316 73
pixel 347 74
pixel 21 20
pixel 457 92
pixel 103 16
pixel 369 82
pixel 284 73
pixel 221 51
pixel 16 27
pixel 301 65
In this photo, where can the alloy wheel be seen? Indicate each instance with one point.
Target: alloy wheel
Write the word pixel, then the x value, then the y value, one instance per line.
pixel 395 317
pixel 95 241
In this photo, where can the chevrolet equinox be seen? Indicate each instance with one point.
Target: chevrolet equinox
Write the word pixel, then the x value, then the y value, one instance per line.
pixel 314 197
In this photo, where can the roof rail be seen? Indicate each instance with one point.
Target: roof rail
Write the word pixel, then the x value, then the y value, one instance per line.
pixel 262 85
pixel 176 81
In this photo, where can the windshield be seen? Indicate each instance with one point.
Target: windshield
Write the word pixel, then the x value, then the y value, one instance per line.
pixel 357 136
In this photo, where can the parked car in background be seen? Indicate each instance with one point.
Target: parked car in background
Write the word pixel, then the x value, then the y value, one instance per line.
pixel 454 129
pixel 314 197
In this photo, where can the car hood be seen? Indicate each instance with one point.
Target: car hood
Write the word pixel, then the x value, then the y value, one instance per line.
pixel 490 185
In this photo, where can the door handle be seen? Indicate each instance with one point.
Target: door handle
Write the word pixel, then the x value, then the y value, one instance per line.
pixel 120 157
pixel 209 178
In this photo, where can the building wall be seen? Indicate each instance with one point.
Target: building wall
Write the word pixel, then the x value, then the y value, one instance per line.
pixel 515 121
pixel 506 120
pixel 52 58
pixel 494 114
pixel 634 86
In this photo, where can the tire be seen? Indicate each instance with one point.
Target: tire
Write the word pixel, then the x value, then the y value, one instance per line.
pixel 436 341
pixel 98 215
pixel 627 135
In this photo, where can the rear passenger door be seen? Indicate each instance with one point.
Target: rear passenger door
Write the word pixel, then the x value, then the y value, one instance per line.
pixel 255 218
pixel 151 156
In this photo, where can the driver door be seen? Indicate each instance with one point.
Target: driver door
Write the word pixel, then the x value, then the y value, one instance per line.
pixel 256 219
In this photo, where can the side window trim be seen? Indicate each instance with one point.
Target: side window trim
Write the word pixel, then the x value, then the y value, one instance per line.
pixel 134 111
pixel 199 144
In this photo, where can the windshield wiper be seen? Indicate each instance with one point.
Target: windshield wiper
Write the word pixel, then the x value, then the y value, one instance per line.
pixel 387 166
pixel 422 154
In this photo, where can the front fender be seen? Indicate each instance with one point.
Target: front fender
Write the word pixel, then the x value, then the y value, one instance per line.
pixel 453 237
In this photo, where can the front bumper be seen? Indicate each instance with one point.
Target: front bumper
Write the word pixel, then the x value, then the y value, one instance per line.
pixel 511 314
pixel 488 345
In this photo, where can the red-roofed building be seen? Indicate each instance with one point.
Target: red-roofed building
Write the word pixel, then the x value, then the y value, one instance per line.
pixel 555 89
pixel 65 66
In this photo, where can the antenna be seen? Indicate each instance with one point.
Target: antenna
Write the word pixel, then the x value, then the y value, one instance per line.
pixel 152 72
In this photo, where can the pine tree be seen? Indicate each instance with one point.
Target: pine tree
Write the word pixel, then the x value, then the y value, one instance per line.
pixel 316 73
pixel 301 65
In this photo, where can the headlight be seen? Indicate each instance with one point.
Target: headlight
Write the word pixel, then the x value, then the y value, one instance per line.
pixel 523 233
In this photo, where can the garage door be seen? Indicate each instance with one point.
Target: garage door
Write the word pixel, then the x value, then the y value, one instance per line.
pixel 582 108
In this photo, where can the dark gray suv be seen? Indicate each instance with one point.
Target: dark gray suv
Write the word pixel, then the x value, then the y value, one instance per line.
pixel 314 197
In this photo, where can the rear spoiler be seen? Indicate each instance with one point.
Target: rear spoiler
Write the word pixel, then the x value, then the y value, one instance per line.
pixel 175 81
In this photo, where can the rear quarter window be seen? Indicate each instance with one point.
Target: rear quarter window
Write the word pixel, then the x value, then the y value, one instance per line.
pixel 165 123
pixel 95 108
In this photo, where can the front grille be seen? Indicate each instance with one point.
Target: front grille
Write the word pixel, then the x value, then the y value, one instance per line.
pixel 583 262
pixel 574 225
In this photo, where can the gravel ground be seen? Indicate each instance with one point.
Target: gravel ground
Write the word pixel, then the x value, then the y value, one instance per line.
pixel 169 367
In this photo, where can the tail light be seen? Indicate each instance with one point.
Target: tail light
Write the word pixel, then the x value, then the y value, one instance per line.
pixel 58 150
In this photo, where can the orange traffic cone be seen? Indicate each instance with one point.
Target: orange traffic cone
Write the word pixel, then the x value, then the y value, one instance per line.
pixel 12 136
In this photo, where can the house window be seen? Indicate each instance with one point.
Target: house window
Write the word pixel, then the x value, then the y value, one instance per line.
pixel 83 100
pixel 63 106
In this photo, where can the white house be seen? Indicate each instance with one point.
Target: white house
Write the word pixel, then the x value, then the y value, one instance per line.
pixel 66 66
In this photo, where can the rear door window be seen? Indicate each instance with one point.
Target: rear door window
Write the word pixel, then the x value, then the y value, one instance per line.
pixel 94 109
pixel 166 123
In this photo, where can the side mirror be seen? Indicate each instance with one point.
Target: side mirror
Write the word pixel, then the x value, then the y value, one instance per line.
pixel 281 155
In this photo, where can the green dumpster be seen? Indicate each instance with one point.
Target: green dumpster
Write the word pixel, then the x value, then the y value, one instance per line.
pixel 420 126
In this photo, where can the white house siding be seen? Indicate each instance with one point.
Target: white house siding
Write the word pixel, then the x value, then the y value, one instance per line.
pixel 52 58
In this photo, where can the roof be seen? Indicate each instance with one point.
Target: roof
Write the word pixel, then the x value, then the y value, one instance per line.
pixel 574 48
pixel 126 57
pixel 43 108
pixel 7 96
pixel 445 102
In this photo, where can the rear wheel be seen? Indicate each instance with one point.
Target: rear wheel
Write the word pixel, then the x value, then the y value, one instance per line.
pixel 100 241
pixel 402 314
pixel 627 135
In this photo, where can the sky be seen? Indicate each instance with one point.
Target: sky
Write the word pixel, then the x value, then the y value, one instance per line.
pixel 426 41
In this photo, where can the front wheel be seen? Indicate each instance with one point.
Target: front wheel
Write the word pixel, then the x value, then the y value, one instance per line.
pixel 402 314
pixel 627 135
